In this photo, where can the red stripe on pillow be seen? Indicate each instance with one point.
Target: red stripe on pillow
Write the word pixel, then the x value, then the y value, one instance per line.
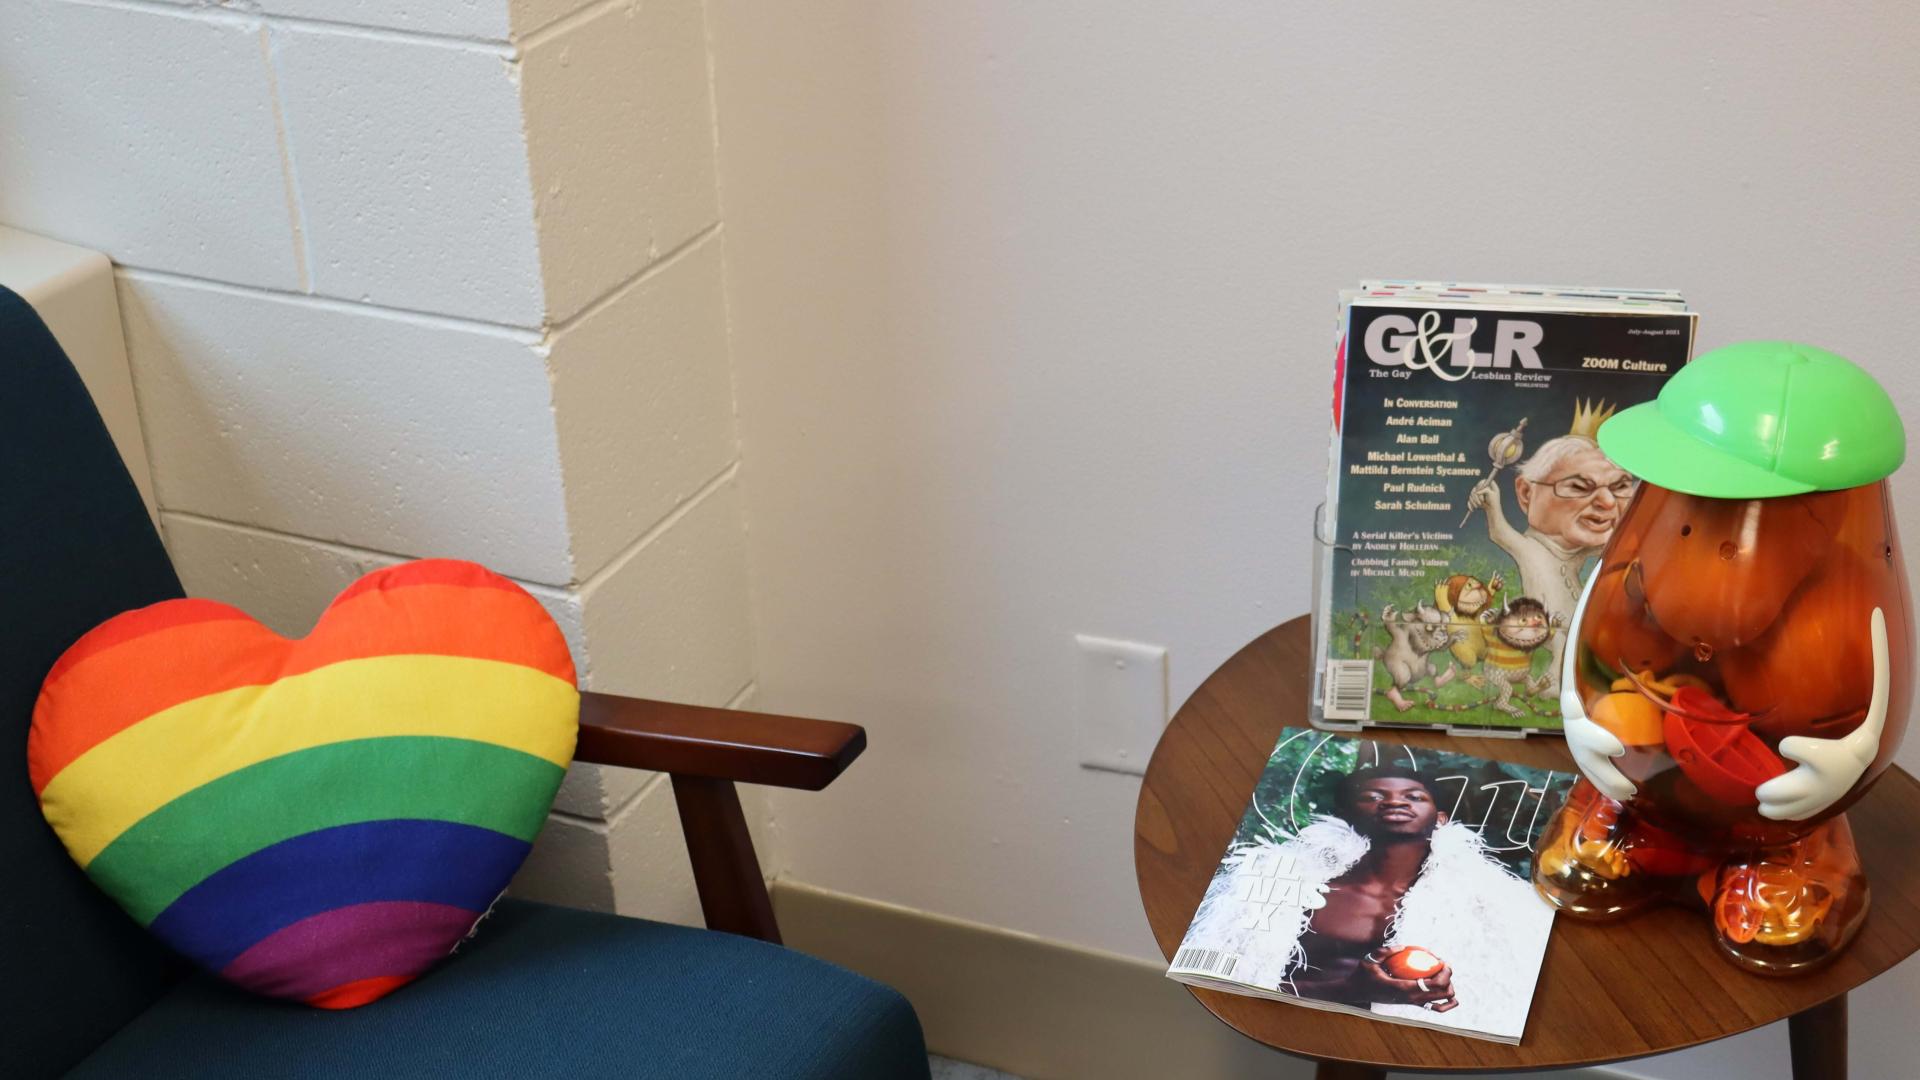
pixel 355 994
pixel 139 623
pixel 429 572
pixel 127 685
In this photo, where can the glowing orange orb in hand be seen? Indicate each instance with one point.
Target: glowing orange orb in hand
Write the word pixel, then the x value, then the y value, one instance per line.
pixel 1411 962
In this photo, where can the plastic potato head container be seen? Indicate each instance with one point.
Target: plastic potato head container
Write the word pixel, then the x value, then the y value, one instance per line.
pixel 1741 667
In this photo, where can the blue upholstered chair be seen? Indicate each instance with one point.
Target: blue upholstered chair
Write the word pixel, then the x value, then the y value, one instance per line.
pixel 542 991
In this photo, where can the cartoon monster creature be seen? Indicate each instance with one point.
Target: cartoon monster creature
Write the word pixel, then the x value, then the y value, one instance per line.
pixel 1515 631
pixel 1464 597
pixel 1408 656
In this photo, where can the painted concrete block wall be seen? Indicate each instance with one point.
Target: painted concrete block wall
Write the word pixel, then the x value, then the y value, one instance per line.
pixel 349 424
pixel 483 20
pixel 410 171
pixel 423 279
pixel 1032 308
pixel 621 141
pixel 175 177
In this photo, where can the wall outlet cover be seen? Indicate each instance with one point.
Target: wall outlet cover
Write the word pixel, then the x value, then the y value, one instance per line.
pixel 1122 702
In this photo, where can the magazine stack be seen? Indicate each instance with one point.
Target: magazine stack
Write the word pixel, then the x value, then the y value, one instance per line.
pixel 1466 497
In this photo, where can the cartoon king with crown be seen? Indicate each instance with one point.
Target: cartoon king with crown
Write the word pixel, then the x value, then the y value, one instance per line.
pixel 1573 497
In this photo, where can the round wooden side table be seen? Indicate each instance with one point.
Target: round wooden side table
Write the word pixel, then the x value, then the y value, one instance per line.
pixel 1648 985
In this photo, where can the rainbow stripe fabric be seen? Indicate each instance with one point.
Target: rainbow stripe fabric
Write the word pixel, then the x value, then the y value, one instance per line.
pixel 320 819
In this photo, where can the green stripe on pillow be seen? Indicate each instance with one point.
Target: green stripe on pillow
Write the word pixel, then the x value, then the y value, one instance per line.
pixel 424 777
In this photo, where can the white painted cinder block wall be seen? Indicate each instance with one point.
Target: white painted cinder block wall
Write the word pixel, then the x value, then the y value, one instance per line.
pixel 1032 308
pixel 431 279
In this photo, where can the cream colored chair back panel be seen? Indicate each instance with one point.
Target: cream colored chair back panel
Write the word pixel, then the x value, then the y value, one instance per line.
pixel 72 289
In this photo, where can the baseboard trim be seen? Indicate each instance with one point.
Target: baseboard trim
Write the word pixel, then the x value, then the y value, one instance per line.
pixel 1034 1007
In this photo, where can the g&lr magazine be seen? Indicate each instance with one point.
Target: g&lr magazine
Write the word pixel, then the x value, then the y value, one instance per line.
pixel 1467 498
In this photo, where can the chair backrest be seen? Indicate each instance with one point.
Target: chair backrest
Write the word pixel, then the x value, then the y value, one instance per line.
pixel 76 546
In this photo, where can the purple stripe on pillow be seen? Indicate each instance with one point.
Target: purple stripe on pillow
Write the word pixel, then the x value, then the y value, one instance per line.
pixel 249 900
pixel 388 937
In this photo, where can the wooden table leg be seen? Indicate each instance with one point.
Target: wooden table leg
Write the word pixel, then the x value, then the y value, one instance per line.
pixel 1347 1070
pixel 1819 1038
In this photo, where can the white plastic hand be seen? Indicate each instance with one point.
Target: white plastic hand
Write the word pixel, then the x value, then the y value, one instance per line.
pixel 1593 746
pixel 1828 768
pixel 1594 749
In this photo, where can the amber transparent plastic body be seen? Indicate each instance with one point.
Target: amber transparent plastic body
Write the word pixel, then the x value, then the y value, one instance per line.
pixel 1716 629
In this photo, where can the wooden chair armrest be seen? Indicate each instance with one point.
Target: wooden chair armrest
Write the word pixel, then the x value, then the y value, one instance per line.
pixel 705 751
pixel 721 744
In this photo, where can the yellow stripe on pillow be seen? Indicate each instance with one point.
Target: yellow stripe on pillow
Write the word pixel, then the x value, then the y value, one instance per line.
pixel 114 785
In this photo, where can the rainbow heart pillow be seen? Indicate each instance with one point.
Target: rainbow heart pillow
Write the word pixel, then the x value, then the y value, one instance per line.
pixel 320 819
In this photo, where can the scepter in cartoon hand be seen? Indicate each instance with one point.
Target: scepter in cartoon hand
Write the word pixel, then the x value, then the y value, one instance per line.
pixel 1505 449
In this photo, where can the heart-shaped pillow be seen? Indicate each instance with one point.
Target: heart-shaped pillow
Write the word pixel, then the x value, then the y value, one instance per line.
pixel 320 819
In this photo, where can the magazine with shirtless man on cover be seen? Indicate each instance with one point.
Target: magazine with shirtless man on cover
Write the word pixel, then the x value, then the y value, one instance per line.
pixel 1375 878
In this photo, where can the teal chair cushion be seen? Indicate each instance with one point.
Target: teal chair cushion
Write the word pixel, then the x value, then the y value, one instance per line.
pixel 547 991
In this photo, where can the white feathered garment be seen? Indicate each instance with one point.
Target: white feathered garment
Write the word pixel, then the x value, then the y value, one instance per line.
pixel 1464 907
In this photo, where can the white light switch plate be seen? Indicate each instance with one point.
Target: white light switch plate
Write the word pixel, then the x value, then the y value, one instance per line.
pixel 1123 702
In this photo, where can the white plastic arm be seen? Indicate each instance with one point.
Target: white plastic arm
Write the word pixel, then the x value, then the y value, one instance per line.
pixel 1828 768
pixel 1593 746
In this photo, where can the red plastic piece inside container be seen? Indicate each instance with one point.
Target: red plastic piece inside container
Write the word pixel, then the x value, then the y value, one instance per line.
pixel 1656 851
pixel 1716 749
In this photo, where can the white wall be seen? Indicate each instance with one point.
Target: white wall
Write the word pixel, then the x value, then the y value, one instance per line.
pixel 1031 310
pixel 423 279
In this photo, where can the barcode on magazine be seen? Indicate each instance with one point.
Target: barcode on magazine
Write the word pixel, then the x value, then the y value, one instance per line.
pixel 1349 690
pixel 1206 961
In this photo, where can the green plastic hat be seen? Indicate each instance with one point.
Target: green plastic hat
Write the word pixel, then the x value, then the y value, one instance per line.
pixel 1760 419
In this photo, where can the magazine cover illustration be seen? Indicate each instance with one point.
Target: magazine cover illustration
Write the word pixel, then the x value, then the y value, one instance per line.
pixel 1375 878
pixel 1468 499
